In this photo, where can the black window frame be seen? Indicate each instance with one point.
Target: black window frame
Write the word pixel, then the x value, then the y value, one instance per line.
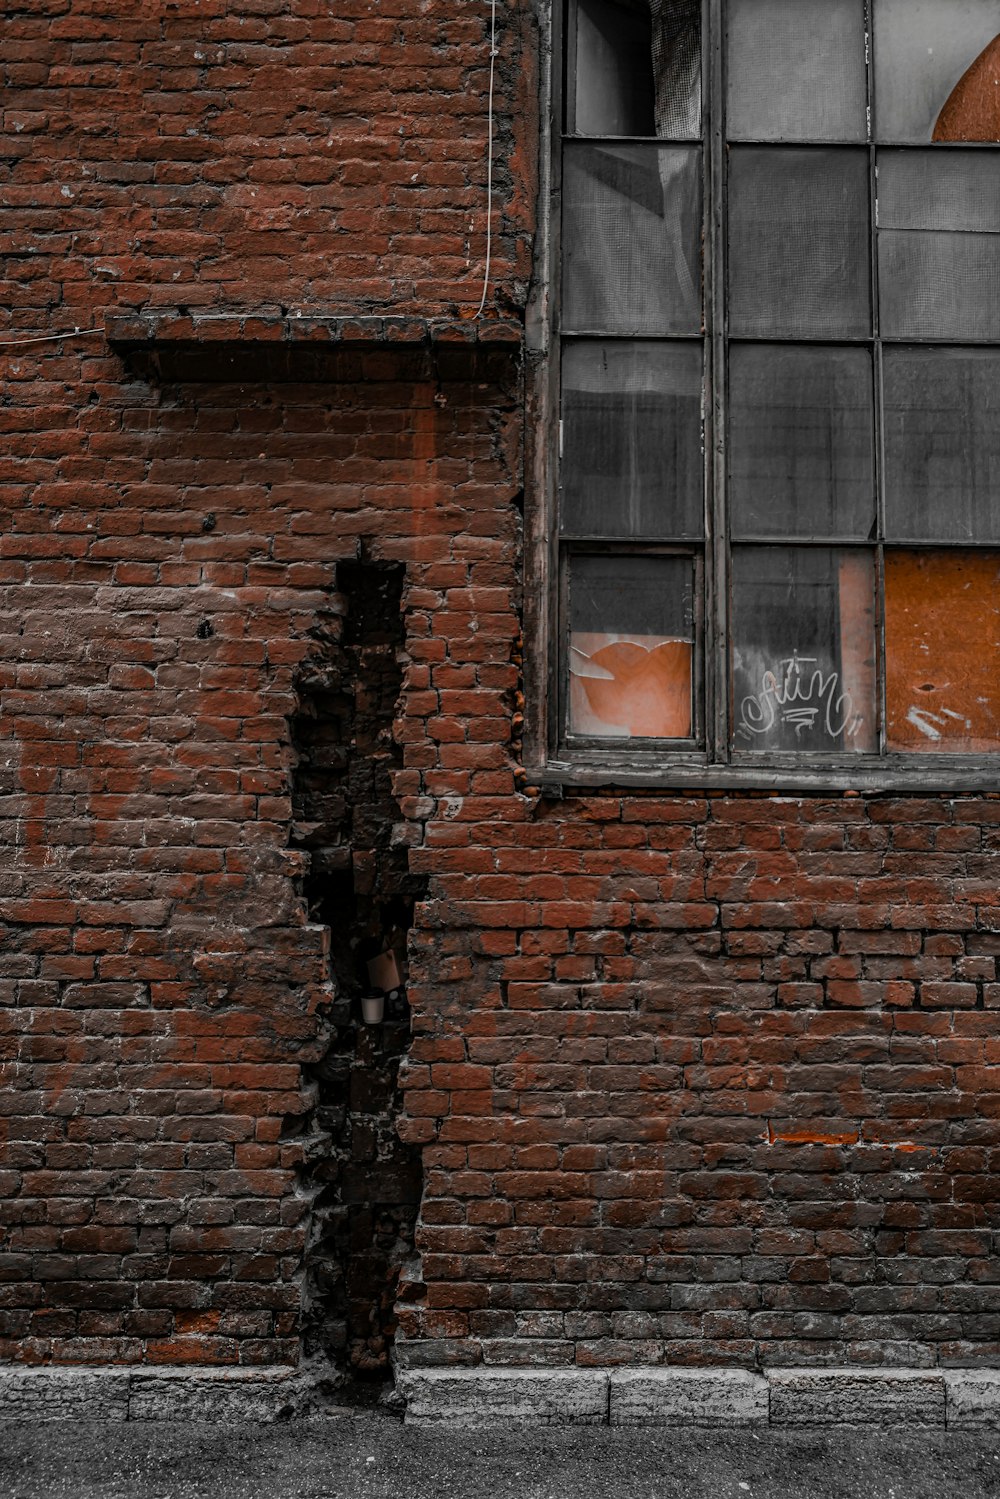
pixel 555 758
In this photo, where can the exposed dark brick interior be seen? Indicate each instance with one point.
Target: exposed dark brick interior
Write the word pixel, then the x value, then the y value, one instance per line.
pixel 364 1180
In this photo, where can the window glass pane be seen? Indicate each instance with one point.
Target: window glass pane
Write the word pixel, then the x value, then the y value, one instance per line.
pixel 632 239
pixel 922 50
pixel 952 191
pixel 796 70
pixel 799 260
pixel 942 444
pixel 635 68
pixel 631 647
pixel 942 647
pixel 803 649
pixel 939 245
pixel 801 441
pixel 632 460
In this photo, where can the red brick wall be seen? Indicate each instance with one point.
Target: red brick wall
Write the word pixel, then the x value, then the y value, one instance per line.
pixel 711 1080
pixel 697 1079
pixel 158 984
pixel 250 153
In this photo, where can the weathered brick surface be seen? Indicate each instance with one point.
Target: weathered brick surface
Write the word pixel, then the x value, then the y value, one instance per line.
pixel 697 1079
pixel 254 153
pixel 158 979
pixel 691 1094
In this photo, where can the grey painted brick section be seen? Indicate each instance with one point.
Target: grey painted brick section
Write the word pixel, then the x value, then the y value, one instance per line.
pixel 856 1397
pixel 973 1398
pixel 45 1394
pixel 527 1397
pixel 688 1397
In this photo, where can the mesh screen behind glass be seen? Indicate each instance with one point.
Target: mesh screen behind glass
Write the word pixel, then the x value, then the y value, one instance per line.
pixel 948 189
pixel 942 444
pixel 796 71
pixel 632 239
pixel 939 245
pixel 632 460
pixel 801 441
pixel 798 243
pixel 937 285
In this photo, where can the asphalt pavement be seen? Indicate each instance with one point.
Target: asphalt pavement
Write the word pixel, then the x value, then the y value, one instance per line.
pixel 370 1455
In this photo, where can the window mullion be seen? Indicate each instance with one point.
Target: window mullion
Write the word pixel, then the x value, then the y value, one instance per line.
pixel 880 655
pixel 717 531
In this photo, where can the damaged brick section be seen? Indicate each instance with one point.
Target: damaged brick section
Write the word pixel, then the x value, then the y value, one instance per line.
pixel 364 1181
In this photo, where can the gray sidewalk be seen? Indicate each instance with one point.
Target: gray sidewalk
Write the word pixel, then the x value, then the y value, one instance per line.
pixel 373 1456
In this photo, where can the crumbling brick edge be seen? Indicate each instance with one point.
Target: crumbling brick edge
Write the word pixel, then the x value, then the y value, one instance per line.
pixel 960 1399
pixel 782 1397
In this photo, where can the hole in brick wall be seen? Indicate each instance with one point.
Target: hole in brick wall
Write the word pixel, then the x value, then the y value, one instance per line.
pixel 364 1181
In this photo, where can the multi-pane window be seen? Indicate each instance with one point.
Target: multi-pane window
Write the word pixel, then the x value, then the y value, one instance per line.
pixel 778 334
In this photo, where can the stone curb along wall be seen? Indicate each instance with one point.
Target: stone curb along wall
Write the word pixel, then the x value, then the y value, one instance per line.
pixel 962 1399
pixel 966 1400
pixel 696 1080
pixel 706 1397
pixel 181 1394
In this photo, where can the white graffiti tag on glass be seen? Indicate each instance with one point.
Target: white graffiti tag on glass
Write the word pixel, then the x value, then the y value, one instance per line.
pixel 799 693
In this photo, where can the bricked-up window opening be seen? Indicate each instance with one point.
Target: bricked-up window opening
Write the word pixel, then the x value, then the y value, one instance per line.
pixel 365 1182
pixel 778 337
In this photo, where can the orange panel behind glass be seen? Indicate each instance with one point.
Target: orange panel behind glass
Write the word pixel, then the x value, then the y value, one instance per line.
pixel 942 643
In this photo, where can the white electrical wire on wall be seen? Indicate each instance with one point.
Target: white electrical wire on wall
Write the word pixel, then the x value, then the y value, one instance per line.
pixel 489 160
pixel 50 338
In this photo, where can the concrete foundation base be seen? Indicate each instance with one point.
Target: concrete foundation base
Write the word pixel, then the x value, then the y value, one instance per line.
pixel 962 1399
pixel 178 1394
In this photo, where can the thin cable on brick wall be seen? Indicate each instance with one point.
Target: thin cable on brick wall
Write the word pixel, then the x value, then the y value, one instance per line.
pixel 50 338
pixel 489 160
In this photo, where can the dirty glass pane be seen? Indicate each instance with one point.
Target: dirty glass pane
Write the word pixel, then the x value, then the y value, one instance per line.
pixel 632 239
pixel 939 245
pixel 942 444
pixel 635 68
pixel 801 441
pixel 953 191
pixel 796 70
pixel 923 48
pixel 631 647
pixel 942 647
pixel 799 243
pixel 803 649
pixel 631 440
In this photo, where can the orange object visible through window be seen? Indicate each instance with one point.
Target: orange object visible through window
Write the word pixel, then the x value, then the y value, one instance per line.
pixel 630 686
pixel 942 646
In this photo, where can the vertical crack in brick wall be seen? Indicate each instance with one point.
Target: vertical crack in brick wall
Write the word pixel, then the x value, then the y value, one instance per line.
pixel 365 1183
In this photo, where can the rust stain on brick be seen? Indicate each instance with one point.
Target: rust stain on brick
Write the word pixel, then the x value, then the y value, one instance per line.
pixel 812 1137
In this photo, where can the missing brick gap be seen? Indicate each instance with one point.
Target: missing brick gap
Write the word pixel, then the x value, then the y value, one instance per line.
pixel 363 1182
